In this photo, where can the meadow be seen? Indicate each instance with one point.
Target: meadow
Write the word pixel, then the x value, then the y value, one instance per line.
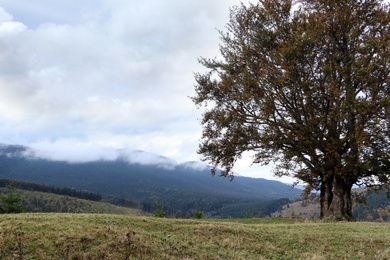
pixel 109 236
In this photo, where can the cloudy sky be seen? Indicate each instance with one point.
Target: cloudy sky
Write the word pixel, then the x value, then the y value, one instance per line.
pixel 78 78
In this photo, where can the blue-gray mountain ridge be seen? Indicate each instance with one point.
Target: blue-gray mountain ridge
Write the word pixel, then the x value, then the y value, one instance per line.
pixel 182 188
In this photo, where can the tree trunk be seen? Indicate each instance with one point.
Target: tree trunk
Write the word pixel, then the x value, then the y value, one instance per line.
pixel 335 199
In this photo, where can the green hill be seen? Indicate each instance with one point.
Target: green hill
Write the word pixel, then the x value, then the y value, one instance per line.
pixel 44 198
pixel 36 201
pixel 70 192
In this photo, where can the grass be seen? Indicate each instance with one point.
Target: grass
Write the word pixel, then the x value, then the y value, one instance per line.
pixel 93 236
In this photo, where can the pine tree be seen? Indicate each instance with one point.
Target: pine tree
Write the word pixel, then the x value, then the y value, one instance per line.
pixel 11 201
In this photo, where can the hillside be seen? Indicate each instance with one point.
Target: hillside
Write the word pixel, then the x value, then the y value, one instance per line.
pixel 376 208
pixel 182 188
pixel 299 209
pixel 44 198
pixel 86 236
pixel 69 192
pixel 35 201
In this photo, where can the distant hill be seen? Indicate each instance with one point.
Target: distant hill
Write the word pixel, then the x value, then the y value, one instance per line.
pixel 376 208
pixel 182 188
pixel 69 192
pixel 36 201
pixel 50 189
pixel 299 209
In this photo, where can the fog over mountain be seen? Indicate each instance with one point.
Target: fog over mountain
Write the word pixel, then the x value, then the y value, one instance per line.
pixel 84 154
pixel 144 177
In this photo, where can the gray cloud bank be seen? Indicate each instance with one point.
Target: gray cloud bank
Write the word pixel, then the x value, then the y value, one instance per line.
pixel 91 153
pixel 81 79
pixel 116 74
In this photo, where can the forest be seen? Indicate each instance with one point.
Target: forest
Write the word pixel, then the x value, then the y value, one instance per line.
pixel 181 190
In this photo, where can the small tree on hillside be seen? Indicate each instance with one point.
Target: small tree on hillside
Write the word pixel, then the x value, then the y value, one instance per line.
pixel 198 214
pixel 11 201
pixel 306 88
pixel 158 209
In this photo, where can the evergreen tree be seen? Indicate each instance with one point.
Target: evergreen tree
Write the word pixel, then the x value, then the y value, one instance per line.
pixel 11 201
pixel 158 209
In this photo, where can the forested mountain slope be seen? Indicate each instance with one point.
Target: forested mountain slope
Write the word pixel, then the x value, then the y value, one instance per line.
pixel 181 188
pixel 375 208
pixel 44 202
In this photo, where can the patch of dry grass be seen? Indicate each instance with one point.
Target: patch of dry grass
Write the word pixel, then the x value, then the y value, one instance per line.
pixel 90 236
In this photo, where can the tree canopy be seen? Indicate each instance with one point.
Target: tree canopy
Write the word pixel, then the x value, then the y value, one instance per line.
pixel 303 84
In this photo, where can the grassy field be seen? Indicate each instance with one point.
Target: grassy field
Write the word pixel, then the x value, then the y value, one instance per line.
pixel 93 236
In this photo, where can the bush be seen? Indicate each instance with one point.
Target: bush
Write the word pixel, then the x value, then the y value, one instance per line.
pixel 198 214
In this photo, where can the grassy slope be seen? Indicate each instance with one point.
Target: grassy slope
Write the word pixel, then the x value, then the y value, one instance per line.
pixel 83 236
pixel 61 203
pixel 299 209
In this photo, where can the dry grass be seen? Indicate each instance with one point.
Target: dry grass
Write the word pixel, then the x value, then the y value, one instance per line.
pixel 90 236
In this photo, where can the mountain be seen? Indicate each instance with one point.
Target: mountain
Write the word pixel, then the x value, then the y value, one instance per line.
pixel 145 178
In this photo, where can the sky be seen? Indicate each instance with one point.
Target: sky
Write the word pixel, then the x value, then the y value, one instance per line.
pixel 80 78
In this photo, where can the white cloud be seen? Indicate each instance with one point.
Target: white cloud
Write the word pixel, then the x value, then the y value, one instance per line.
pixel 4 16
pixel 72 150
pixel 8 29
pixel 76 151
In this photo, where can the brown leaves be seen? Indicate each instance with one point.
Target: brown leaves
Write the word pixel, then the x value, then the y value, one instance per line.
pixel 309 88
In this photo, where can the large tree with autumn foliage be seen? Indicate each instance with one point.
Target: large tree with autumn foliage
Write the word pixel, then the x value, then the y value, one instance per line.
pixel 305 85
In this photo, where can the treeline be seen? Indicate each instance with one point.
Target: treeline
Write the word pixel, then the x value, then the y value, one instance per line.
pixel 217 207
pixel 255 209
pixel 51 189
pixel 34 201
pixel 376 208
pixel 65 191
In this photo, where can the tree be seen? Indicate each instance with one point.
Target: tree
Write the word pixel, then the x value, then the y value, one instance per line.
pixel 305 85
pixel 198 214
pixel 11 202
pixel 158 209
